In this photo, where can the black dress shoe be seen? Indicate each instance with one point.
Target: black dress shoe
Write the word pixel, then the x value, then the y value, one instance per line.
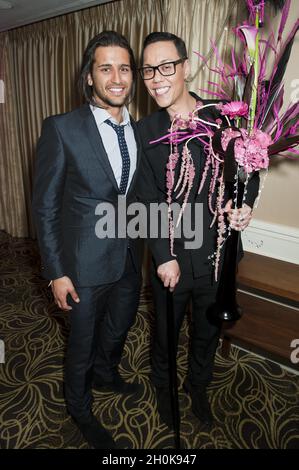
pixel 164 406
pixel 118 385
pixel 200 402
pixel 94 433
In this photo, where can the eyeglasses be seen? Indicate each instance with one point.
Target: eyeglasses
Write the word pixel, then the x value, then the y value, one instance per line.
pixel 166 69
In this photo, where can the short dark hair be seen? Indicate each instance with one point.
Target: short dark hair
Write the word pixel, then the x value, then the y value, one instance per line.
pixel 163 36
pixel 104 39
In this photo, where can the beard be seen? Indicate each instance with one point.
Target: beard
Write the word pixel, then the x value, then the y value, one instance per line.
pixel 104 101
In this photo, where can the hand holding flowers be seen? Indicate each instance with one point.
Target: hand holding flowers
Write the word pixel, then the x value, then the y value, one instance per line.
pixel 250 123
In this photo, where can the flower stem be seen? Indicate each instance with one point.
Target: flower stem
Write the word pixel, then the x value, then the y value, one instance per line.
pixel 253 101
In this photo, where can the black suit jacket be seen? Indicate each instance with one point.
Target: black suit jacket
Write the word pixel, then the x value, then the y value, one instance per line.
pixel 73 175
pixel 152 188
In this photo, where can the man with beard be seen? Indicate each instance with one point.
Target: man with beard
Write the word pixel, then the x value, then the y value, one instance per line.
pixel 86 157
pixel 165 69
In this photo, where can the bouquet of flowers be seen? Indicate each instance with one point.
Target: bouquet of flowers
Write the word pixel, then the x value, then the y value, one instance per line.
pixel 249 123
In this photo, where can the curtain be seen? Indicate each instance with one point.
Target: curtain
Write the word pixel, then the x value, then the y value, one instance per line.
pixel 200 23
pixel 39 65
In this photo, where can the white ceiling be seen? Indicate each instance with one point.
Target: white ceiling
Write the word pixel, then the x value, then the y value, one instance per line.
pixel 28 11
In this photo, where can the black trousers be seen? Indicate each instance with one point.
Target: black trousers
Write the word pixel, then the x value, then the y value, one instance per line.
pixel 204 335
pixel 99 328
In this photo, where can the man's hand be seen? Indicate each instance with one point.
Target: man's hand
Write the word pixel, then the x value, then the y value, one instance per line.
pixel 169 273
pixel 61 288
pixel 238 218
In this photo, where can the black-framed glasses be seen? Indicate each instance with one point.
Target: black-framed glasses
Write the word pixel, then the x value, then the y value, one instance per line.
pixel 166 69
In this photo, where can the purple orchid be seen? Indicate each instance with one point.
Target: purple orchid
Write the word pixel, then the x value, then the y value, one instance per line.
pixel 249 33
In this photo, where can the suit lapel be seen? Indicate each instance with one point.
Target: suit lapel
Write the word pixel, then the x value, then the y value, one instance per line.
pixel 138 155
pixel 96 143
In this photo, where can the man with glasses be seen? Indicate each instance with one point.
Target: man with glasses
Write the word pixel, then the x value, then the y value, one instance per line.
pixel 165 69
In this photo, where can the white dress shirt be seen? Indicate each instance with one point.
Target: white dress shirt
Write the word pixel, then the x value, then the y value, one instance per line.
pixel 110 141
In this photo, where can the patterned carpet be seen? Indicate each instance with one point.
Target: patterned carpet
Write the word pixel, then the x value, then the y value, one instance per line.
pixel 254 401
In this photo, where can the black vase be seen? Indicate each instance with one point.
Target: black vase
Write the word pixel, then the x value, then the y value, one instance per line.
pixel 226 307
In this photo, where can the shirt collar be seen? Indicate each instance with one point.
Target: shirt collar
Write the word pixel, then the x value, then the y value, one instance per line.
pixel 102 115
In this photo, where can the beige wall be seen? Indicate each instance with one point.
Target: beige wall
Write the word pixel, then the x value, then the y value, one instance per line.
pixel 279 201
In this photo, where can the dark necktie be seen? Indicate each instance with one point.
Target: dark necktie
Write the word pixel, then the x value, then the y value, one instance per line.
pixel 120 131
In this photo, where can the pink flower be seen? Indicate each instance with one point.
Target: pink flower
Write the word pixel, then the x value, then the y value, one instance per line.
pixel 227 135
pixel 251 151
pixel 192 125
pixel 199 104
pixel 180 123
pixel 235 109
pixel 263 139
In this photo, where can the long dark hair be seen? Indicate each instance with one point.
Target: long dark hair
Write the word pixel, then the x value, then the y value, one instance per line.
pixel 104 39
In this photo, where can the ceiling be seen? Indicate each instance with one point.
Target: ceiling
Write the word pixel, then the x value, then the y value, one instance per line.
pixel 28 11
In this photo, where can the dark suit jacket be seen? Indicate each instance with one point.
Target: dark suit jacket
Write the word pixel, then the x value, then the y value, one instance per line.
pixel 152 188
pixel 73 175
